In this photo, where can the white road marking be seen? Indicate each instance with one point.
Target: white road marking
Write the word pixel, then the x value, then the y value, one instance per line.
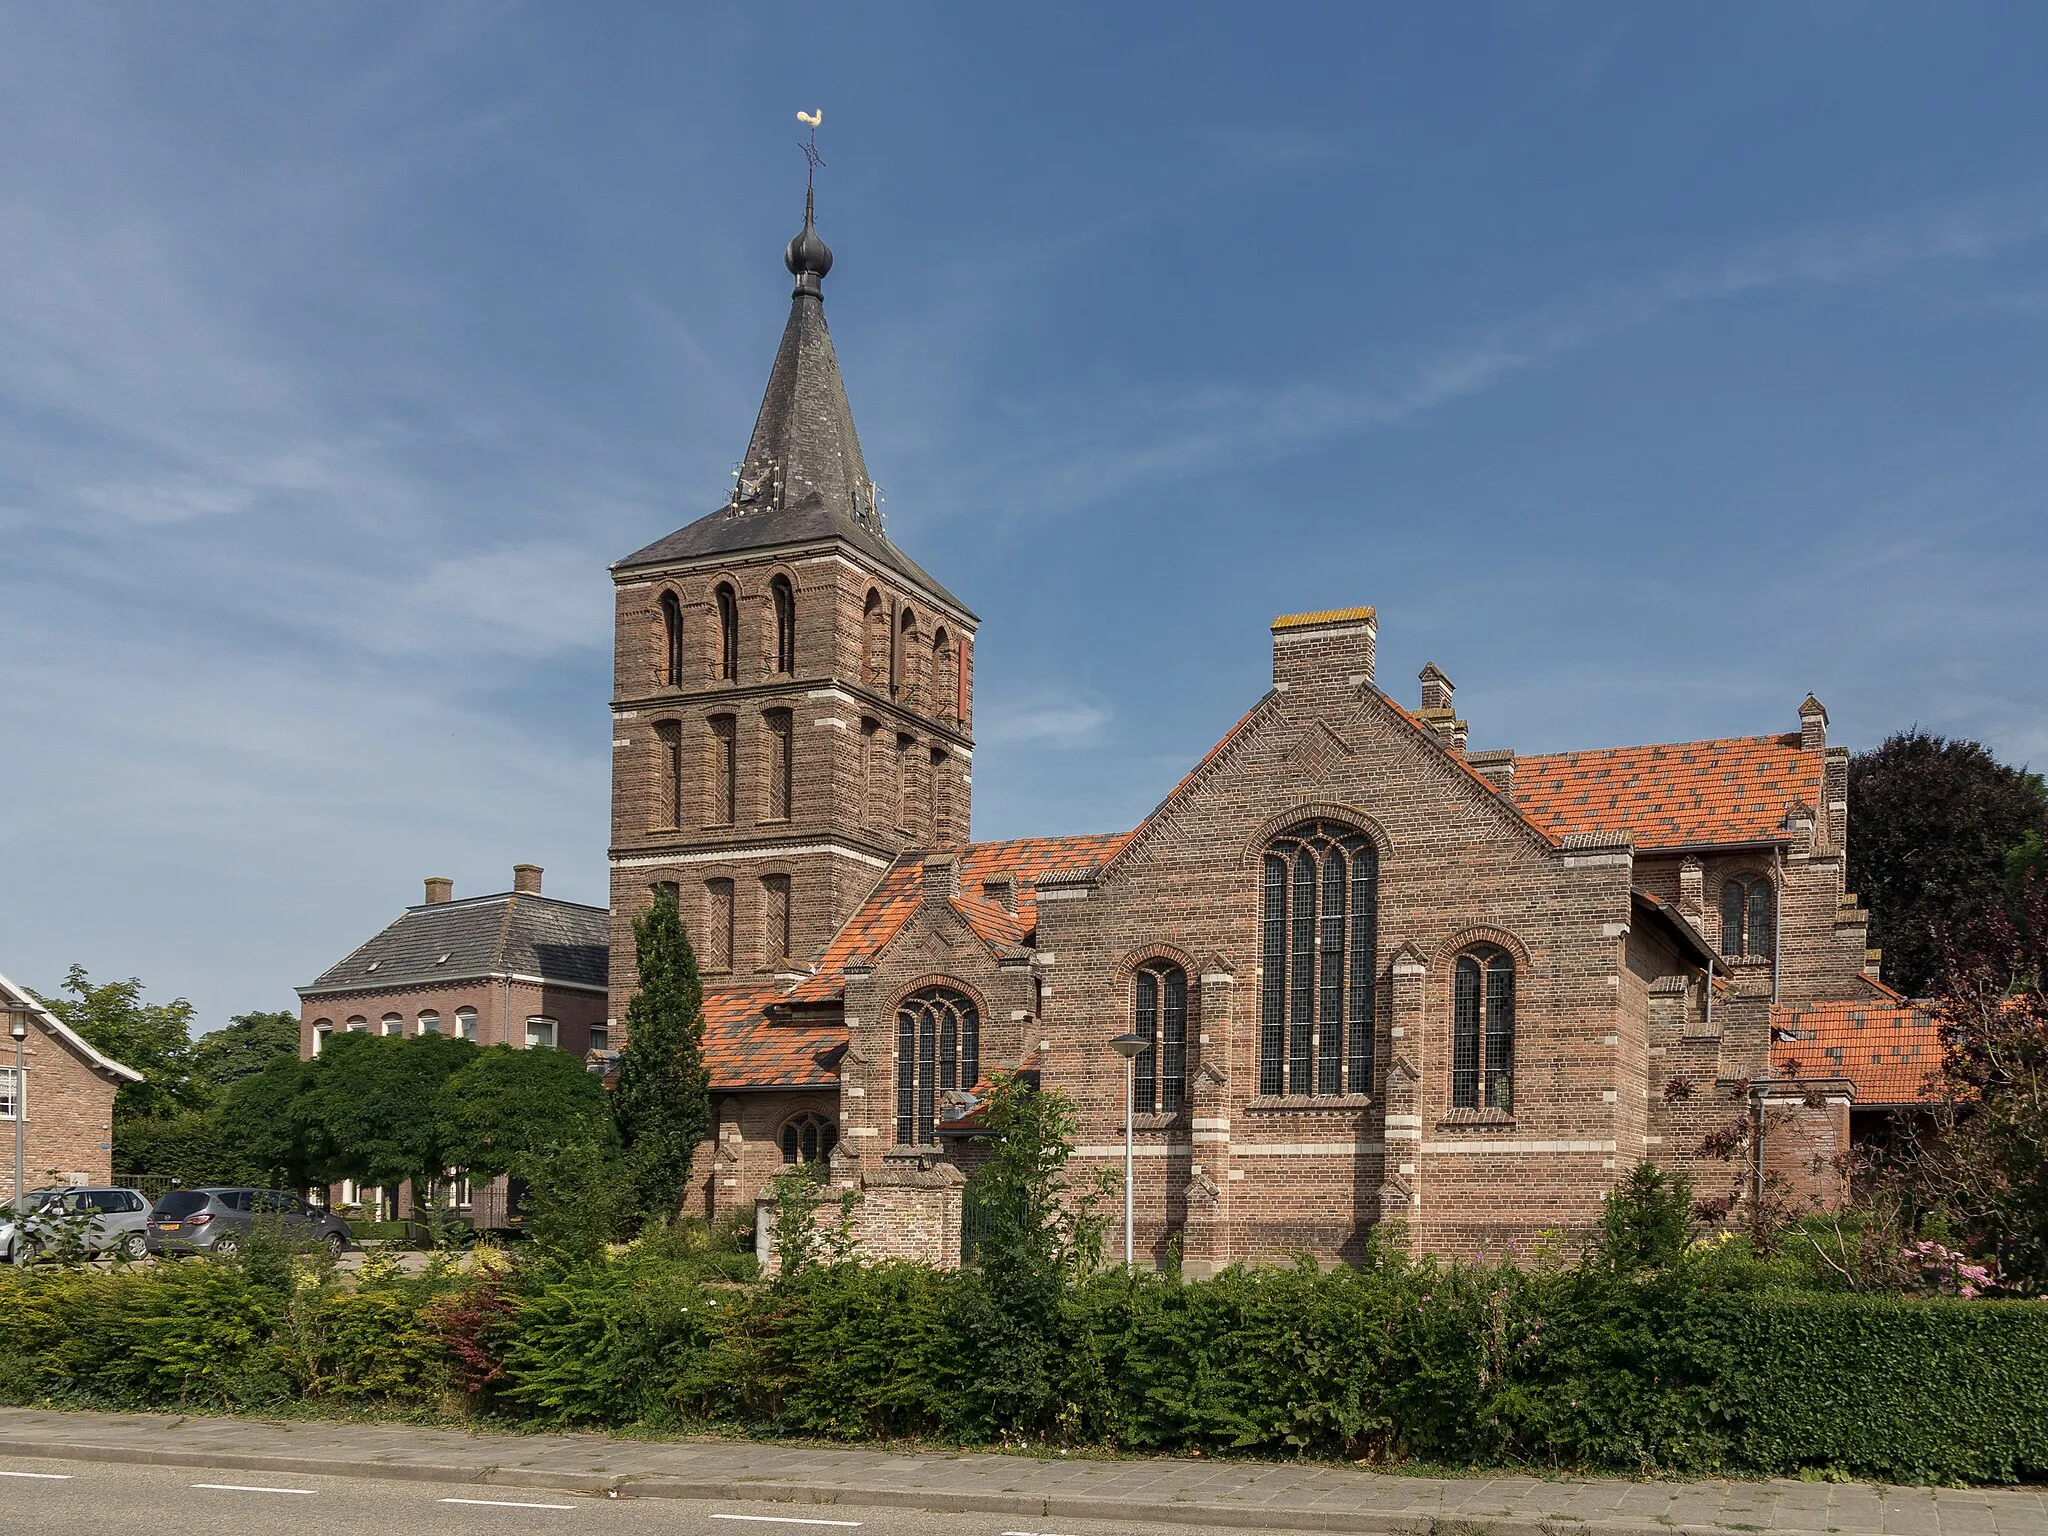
pixel 507 1504
pixel 1031 1533
pixel 55 1477
pixel 786 1520
pixel 245 1488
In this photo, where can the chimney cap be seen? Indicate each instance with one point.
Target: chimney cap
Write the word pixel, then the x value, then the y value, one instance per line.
pixel 526 879
pixel 439 889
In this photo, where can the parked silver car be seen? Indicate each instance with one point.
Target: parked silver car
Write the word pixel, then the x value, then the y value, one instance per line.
pixel 100 1220
pixel 218 1221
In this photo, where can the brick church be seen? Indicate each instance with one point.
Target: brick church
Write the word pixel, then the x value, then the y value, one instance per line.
pixel 1384 976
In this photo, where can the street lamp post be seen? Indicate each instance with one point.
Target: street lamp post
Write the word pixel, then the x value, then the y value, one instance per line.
pixel 1130 1047
pixel 17 1026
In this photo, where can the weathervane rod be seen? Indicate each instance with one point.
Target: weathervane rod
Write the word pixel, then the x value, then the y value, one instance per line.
pixel 812 160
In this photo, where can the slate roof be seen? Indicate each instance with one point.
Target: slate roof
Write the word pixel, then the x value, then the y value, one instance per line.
pixel 1891 1053
pixel 1686 794
pixel 804 478
pixel 507 934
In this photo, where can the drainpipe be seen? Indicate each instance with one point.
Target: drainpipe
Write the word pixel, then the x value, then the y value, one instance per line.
pixel 1777 916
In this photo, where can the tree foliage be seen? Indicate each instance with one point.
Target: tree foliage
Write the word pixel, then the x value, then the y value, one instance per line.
pixel 506 1105
pixel 153 1038
pixel 663 1099
pixel 1932 825
pixel 244 1046
pixel 262 1127
pixel 1644 1223
pixel 367 1106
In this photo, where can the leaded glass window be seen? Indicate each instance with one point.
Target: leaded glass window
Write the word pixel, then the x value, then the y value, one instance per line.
pixel 1483 1030
pixel 1319 948
pixel 1748 916
pixel 808 1138
pixel 938 1050
pixel 1160 1013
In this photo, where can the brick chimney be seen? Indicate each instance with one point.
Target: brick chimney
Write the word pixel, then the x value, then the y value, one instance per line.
pixel 1497 767
pixel 1436 688
pixel 526 879
pixel 941 876
pixel 439 889
pixel 1813 724
pixel 1002 890
pixel 1333 647
pixel 1437 712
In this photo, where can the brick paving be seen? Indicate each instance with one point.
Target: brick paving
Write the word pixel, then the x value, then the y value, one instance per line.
pixel 1246 1494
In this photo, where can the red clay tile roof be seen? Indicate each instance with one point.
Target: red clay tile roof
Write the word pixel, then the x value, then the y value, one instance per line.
pixel 744 1049
pixel 1684 794
pixel 1891 1054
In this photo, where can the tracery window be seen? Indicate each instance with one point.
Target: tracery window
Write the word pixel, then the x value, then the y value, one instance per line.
pixel 784 597
pixel 938 1049
pixel 728 633
pixel 1748 916
pixel 1483 1030
pixel 1320 944
pixel 672 640
pixel 808 1138
pixel 1159 1012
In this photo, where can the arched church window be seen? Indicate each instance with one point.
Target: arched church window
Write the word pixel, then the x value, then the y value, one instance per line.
pixel 938 1050
pixel 875 642
pixel 1748 916
pixel 1159 1012
pixel 672 640
pixel 908 684
pixel 1483 1030
pixel 945 680
pixel 1319 942
pixel 784 596
pixel 728 633
pixel 808 1138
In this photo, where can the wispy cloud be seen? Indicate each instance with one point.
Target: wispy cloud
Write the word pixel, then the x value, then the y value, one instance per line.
pixel 1049 719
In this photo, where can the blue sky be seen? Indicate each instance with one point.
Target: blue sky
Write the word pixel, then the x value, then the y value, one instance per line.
pixel 1646 365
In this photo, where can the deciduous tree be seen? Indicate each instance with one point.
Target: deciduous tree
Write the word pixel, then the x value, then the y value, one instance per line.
pixel 507 1105
pixel 367 1110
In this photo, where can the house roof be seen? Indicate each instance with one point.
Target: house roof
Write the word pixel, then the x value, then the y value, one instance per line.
pixel 743 1048
pixel 1891 1053
pixel 1684 794
pixel 512 934
pixel 1688 938
pixel 21 997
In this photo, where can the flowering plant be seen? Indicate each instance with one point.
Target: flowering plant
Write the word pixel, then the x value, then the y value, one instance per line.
pixel 1945 1272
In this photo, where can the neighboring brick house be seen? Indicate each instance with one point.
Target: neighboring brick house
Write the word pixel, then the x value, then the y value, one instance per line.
pixel 514 968
pixel 64 1102
pixel 1386 976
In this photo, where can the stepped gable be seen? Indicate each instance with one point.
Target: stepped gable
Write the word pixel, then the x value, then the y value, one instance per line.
pixel 514 933
pixel 1681 795
pixel 1891 1053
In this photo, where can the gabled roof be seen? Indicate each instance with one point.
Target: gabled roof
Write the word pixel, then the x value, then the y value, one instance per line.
pixel 1892 1054
pixel 512 934
pixel 1685 794
pixel 21 997
pixel 804 479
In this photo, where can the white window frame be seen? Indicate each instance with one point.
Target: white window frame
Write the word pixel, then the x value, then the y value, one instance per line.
pixel 429 1021
pixel 15 1098
pixel 320 1035
pixel 600 1037
pixel 356 1025
pixel 465 1024
pixel 391 1024
pixel 535 1027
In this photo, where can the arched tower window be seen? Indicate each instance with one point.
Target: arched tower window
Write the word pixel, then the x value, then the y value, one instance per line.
pixel 945 680
pixel 938 1050
pixel 775 939
pixel 907 680
pixel 718 920
pixel 1483 1030
pixel 672 640
pixel 875 642
pixel 725 770
pixel 1320 945
pixel 1749 916
pixel 784 596
pixel 1159 1012
pixel 668 741
pixel 781 761
pixel 728 633
pixel 808 1138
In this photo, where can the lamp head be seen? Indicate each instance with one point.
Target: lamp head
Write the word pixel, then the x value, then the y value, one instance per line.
pixel 1130 1046
pixel 17 1023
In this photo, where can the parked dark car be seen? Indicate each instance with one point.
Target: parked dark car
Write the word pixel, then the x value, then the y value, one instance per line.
pixel 219 1221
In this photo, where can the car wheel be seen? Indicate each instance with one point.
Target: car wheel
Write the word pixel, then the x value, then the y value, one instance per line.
pixel 30 1252
pixel 336 1244
pixel 133 1248
pixel 226 1246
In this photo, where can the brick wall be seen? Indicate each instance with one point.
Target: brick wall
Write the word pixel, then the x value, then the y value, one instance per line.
pixel 502 1009
pixel 68 1133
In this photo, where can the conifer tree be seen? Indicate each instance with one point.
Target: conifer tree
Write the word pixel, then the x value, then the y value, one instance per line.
pixel 663 1101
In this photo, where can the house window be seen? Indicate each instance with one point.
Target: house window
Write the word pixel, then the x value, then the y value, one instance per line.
pixel 393 1024
pixel 672 640
pixel 430 1023
pixel 540 1032
pixel 1483 1031
pixel 10 1094
pixel 601 1036
pixel 938 1050
pixel 775 918
pixel 784 597
pixel 1319 944
pixel 1159 1012
pixel 358 1025
pixel 808 1138
pixel 781 761
pixel 725 771
pixel 465 1023
pixel 322 1028
pixel 728 633
pixel 718 925
pixel 1748 916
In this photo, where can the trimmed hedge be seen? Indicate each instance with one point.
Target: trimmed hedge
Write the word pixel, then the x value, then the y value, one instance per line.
pixel 1688 1370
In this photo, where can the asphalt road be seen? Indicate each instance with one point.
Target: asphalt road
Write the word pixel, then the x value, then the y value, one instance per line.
pixel 75 1498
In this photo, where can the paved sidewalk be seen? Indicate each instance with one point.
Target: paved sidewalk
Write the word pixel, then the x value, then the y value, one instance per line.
pixel 1261 1495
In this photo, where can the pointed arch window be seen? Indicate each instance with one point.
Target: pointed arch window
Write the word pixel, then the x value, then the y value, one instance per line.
pixel 945 679
pixel 784 598
pixel 808 1138
pixel 728 632
pixel 1319 943
pixel 1749 916
pixel 1159 1012
pixel 938 1051
pixel 1483 1030
pixel 906 678
pixel 672 640
pixel 875 642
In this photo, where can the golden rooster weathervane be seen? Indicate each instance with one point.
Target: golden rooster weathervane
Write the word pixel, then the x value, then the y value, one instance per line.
pixel 810 120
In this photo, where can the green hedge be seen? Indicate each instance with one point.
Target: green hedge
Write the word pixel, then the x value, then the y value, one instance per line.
pixel 1684 1370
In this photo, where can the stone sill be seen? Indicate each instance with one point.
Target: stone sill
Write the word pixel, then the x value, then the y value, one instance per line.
pixel 1477 1119
pixel 1307 1103
pixel 1177 1121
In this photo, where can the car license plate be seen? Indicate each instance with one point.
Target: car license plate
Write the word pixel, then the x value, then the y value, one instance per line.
pixel 169 1226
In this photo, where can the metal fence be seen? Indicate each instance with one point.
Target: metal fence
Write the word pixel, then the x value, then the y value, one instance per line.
pixel 152 1186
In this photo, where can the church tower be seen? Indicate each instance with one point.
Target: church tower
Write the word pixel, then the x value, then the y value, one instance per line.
pixel 792 695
